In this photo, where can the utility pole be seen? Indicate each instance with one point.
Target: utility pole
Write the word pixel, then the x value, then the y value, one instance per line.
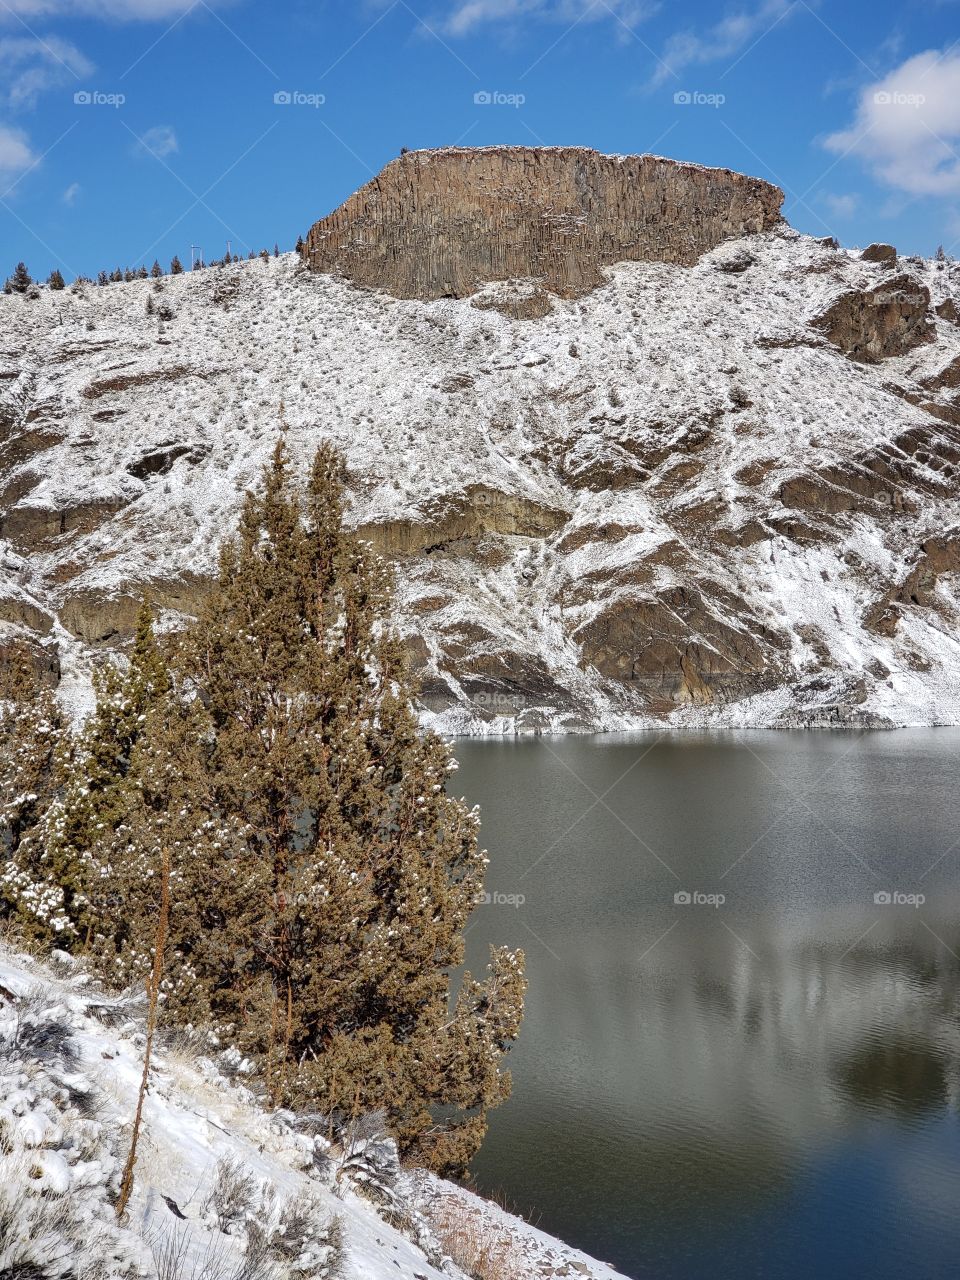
pixel 196 255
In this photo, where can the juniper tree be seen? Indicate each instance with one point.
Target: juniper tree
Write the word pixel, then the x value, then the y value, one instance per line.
pixel 21 280
pixel 156 270
pixel 101 790
pixel 323 877
pixel 32 736
pixel 176 266
pixel 55 280
pixel 320 875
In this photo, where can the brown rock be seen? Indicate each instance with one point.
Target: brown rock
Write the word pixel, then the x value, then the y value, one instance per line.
pixel 874 324
pixel 880 253
pixel 681 647
pixel 436 224
pixel 477 511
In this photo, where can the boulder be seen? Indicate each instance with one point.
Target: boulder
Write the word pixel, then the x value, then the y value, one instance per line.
pixel 885 253
pixel 870 325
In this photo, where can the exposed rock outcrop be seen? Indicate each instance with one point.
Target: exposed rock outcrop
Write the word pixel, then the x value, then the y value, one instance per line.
pixel 671 500
pixel 870 325
pixel 436 224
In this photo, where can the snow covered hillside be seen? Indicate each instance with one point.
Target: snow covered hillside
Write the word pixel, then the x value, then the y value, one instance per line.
pixel 724 494
pixel 223 1190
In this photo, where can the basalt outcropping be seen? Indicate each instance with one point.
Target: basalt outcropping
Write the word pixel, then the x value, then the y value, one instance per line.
pixel 680 465
pixel 442 223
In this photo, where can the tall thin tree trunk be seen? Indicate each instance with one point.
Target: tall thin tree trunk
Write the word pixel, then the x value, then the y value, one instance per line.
pixel 153 991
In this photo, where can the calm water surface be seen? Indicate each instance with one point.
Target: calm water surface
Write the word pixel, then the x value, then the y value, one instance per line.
pixel 769 1087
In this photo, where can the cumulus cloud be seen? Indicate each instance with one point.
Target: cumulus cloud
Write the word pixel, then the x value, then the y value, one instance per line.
pixel 467 15
pixel 159 142
pixel 907 126
pixel 16 154
pixel 30 66
pixel 728 38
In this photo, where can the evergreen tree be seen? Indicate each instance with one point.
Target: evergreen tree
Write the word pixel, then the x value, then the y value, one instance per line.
pixel 102 278
pixel 176 266
pixel 101 792
pixel 32 738
pixel 276 250
pixel 323 877
pixel 156 270
pixel 21 280
pixel 299 245
pixel 275 777
pixel 55 280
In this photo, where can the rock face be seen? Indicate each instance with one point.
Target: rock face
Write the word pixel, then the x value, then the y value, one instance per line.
pixel 871 325
pixel 440 224
pixel 671 501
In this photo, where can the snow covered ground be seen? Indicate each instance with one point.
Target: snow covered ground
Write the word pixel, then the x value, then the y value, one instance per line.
pixel 547 485
pixel 223 1190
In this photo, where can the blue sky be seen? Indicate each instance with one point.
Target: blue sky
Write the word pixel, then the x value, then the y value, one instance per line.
pixel 132 129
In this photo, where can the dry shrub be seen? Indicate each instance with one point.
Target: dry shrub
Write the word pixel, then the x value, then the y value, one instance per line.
pixel 479 1247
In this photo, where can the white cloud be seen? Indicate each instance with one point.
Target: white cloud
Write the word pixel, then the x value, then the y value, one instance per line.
pixel 118 10
pixel 159 142
pixel 907 126
pixel 841 206
pixel 71 194
pixel 30 66
pixel 468 15
pixel 16 154
pixel 728 38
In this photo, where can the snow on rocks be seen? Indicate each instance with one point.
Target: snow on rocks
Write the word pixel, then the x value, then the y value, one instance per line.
pixel 673 430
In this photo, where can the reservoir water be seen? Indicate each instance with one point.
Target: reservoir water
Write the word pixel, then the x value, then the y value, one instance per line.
pixel 741 1051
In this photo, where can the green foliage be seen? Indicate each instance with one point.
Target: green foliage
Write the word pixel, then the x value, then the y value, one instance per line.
pixel 21 280
pixel 321 875
pixel 31 770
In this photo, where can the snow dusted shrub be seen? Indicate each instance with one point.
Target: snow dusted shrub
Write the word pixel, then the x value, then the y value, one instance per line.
pixel 309 1241
pixel 368 1157
pixel 232 1197
pixel 295 1238
pixel 175 1259
pixel 58 1166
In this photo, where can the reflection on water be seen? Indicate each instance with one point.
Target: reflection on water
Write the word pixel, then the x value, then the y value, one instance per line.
pixel 767 1087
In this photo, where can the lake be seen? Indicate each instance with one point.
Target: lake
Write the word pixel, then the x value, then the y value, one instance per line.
pixel 741 1051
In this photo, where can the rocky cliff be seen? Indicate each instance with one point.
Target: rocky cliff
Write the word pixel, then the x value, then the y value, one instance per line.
pixel 725 493
pixel 439 224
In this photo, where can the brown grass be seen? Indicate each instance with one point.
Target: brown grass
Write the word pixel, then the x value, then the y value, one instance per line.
pixel 479 1247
